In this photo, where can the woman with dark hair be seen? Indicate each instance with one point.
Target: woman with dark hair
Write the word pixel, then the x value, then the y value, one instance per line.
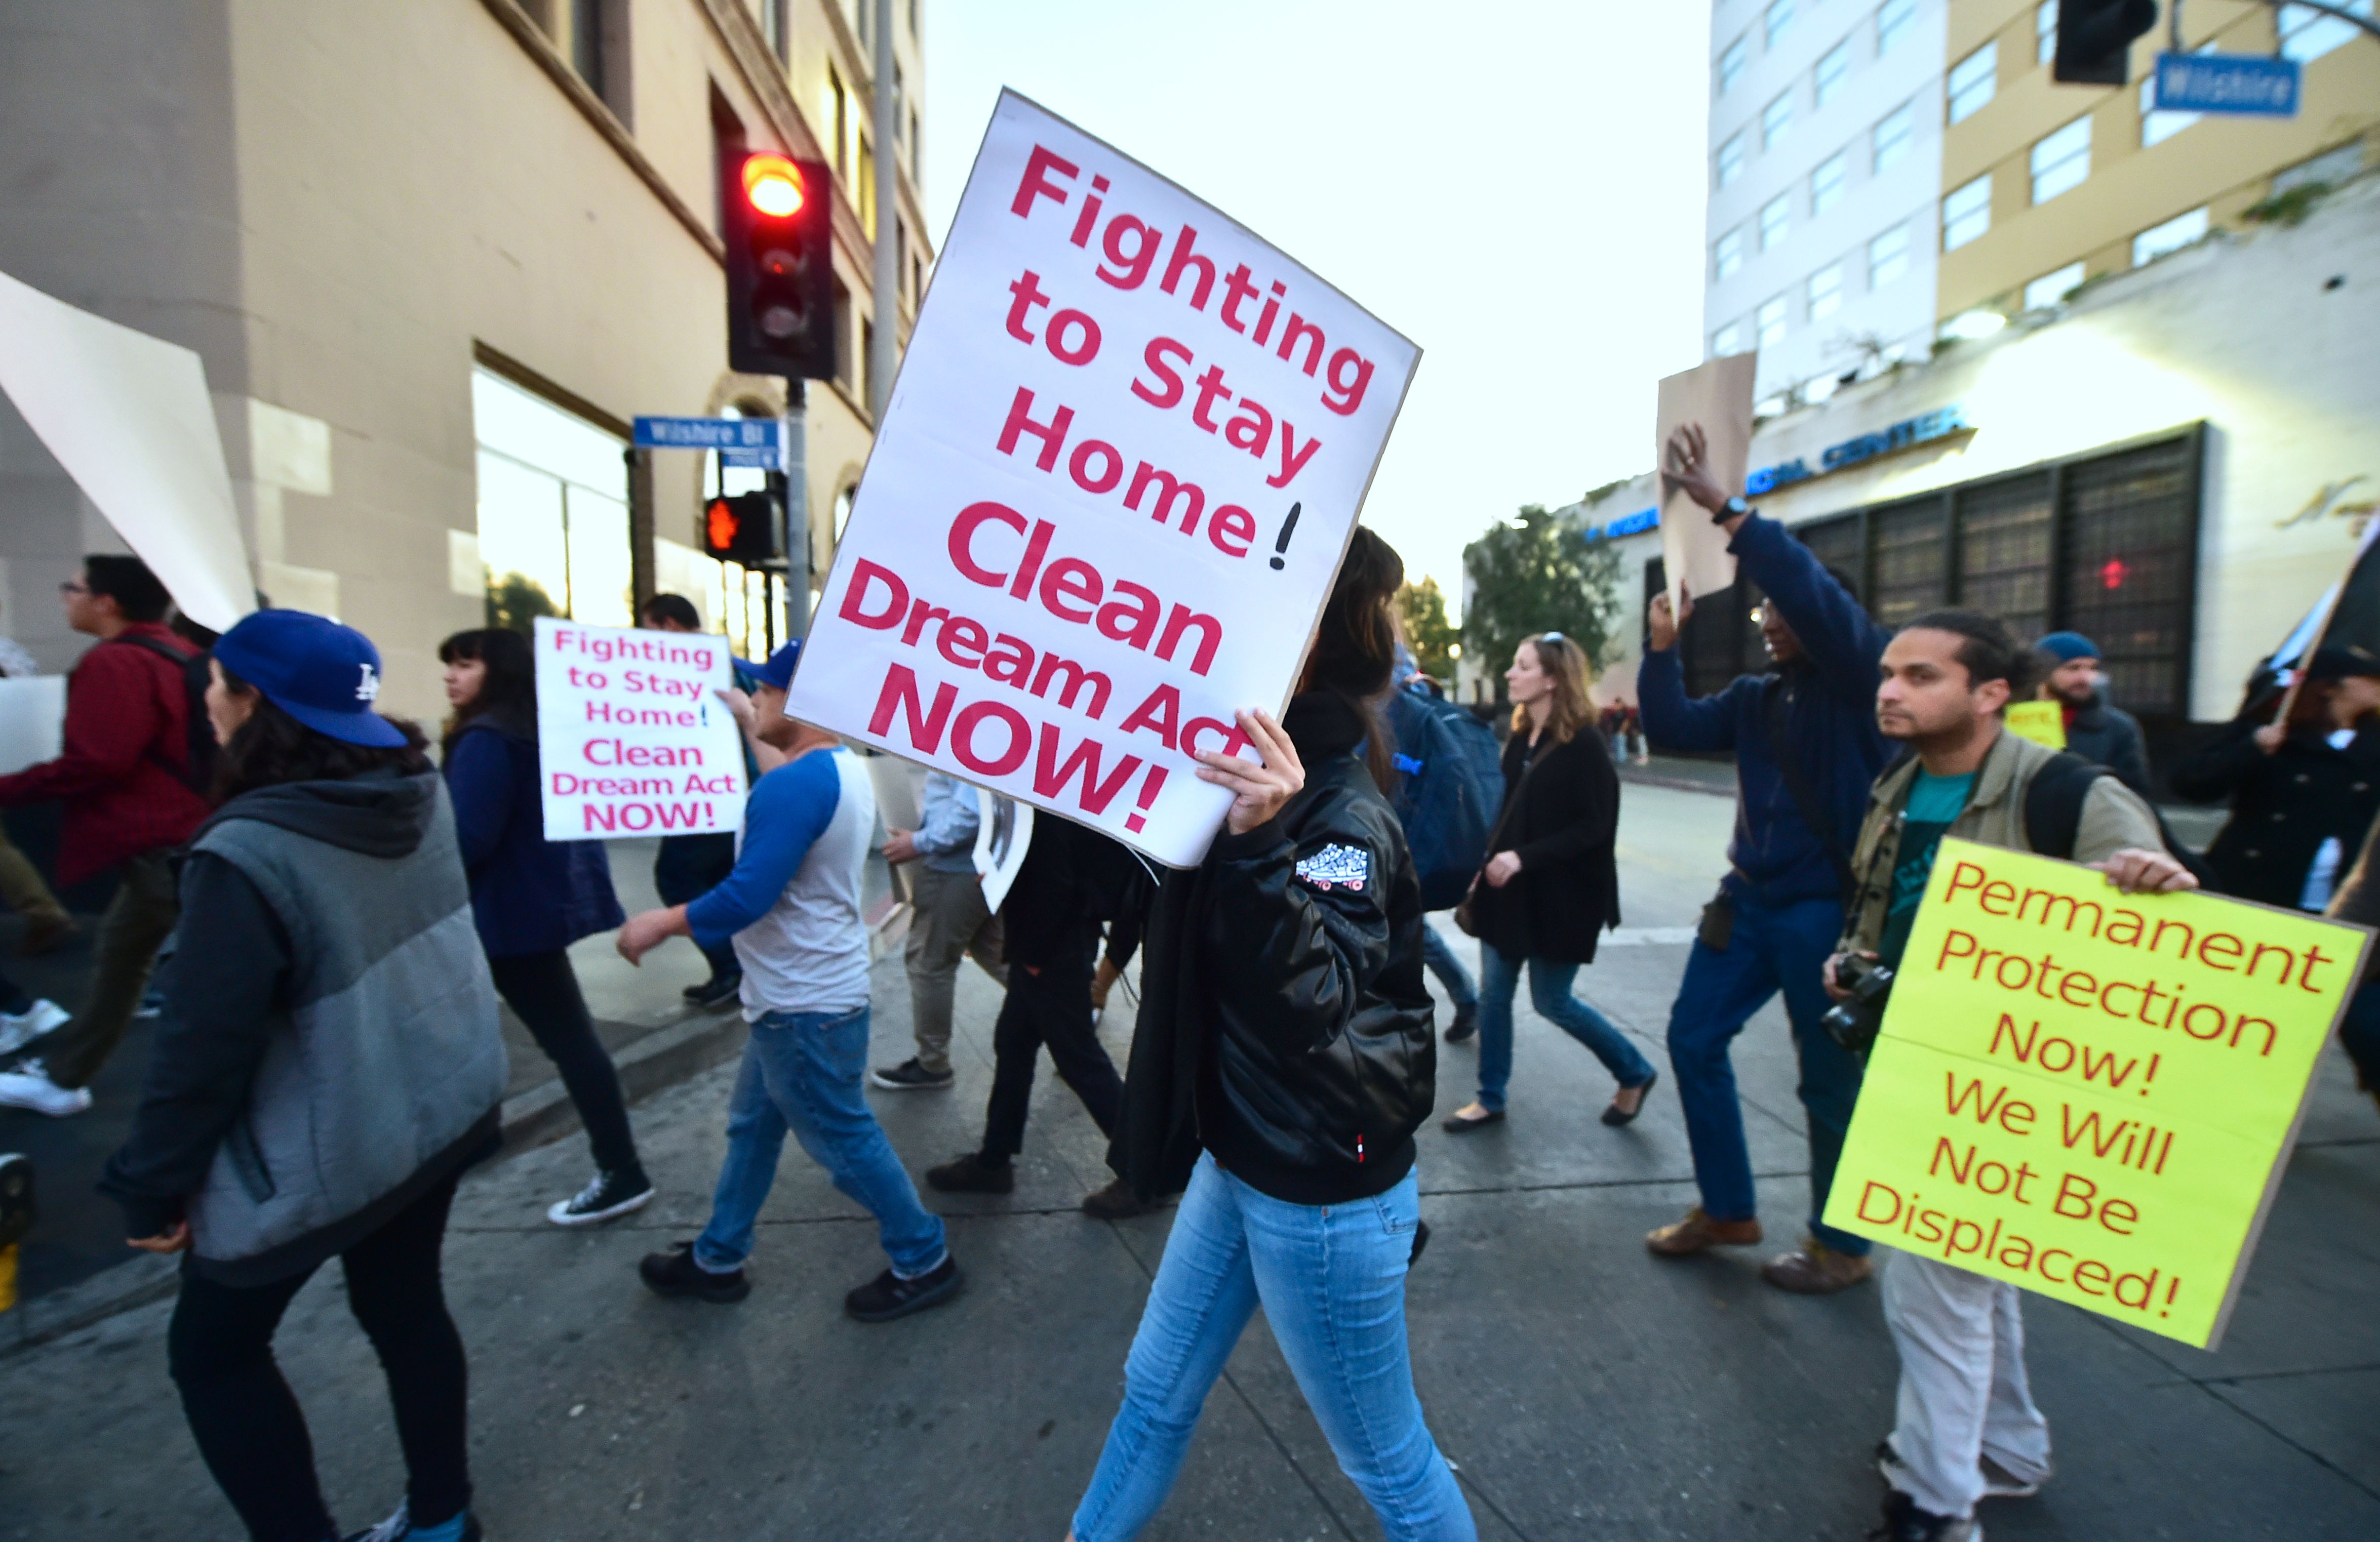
pixel 1551 884
pixel 323 1072
pixel 1282 1061
pixel 533 898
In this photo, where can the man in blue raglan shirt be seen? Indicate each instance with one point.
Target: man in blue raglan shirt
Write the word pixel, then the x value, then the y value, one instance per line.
pixel 1806 749
pixel 791 906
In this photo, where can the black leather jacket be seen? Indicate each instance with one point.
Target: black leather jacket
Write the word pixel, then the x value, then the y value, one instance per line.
pixel 1284 1025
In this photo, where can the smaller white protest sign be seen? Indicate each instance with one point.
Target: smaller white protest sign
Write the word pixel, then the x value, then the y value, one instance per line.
pixel 1716 395
pixel 631 734
pixel 1003 835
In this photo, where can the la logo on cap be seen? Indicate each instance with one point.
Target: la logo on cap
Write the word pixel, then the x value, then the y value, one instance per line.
pixel 367 688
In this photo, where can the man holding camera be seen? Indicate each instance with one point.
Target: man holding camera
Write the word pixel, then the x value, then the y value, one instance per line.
pixel 1806 747
pixel 1965 1423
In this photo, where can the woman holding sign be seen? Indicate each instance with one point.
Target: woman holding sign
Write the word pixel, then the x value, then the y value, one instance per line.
pixel 1282 1061
pixel 533 897
pixel 1551 884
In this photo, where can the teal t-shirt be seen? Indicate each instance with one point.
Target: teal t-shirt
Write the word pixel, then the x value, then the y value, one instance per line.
pixel 1934 803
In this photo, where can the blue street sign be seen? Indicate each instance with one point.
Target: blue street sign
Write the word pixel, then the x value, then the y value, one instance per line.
pixel 2250 84
pixel 752 436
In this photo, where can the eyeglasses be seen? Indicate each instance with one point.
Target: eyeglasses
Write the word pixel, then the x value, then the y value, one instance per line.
pixel 74 586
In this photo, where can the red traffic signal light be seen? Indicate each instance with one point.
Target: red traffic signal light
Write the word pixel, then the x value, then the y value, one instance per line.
pixel 741 529
pixel 776 224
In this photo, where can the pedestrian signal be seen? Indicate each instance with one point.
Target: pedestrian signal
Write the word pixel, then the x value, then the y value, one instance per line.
pixel 780 266
pixel 2095 40
pixel 742 529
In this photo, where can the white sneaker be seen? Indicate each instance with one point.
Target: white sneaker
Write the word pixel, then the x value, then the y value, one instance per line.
pixel 21 1028
pixel 29 1086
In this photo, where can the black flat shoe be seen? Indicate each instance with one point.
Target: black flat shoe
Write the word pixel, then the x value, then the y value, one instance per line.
pixel 1614 1115
pixel 1458 1126
pixel 1466 1023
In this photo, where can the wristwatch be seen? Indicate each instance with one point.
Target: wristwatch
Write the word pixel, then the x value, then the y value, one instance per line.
pixel 1733 508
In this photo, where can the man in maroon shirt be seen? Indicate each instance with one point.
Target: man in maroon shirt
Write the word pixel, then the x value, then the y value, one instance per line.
pixel 127 803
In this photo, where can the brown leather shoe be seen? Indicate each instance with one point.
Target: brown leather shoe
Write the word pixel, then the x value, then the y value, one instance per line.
pixel 1813 1268
pixel 1698 1231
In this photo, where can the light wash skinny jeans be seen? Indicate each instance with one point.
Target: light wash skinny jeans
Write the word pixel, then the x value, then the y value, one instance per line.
pixel 1333 1282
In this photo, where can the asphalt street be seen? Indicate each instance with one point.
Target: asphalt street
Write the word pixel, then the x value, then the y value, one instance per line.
pixel 1581 1388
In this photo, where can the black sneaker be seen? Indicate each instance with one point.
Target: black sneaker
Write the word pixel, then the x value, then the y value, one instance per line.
pixel 718 990
pixel 399 1526
pixel 612 1195
pixel 972 1174
pixel 1466 1023
pixel 674 1273
pixel 1117 1202
pixel 910 1076
pixel 1903 1521
pixel 888 1295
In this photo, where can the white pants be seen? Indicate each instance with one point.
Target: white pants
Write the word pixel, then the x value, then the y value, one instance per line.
pixel 1963 1384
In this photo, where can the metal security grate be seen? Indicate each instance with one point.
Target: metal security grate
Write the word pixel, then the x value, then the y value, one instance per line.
pixel 1838 544
pixel 2003 550
pixel 1910 561
pixel 2128 564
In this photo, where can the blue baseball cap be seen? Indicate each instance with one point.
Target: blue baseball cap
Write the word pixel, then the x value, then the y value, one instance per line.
pixel 779 669
pixel 323 675
pixel 2066 647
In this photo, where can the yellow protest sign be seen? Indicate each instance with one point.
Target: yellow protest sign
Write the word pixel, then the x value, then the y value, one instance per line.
pixel 2042 722
pixel 2087 1093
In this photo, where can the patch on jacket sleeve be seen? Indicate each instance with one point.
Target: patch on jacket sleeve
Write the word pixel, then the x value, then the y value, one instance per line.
pixel 1337 867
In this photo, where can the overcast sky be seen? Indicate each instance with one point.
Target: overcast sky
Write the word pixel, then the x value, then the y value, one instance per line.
pixel 1522 198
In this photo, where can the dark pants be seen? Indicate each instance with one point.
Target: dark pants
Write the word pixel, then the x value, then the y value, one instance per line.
pixel 135 925
pixel 1048 1005
pixel 542 991
pixel 690 867
pixel 248 1423
pixel 2360 1032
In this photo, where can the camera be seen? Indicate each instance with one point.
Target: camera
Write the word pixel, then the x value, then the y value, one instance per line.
pixel 1854 1024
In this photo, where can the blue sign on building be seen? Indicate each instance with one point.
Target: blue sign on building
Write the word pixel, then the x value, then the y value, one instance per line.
pixel 740 441
pixel 1627 524
pixel 1906 435
pixel 2249 84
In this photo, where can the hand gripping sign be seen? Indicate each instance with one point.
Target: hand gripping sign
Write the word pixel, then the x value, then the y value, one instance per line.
pixel 632 737
pixel 2087 1093
pixel 1121 464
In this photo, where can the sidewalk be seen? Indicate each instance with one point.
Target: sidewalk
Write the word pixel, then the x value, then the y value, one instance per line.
pixel 1583 1389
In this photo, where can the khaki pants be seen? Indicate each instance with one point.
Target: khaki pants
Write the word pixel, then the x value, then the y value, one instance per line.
pixel 952 924
pixel 1963 1393
pixel 136 925
pixel 22 890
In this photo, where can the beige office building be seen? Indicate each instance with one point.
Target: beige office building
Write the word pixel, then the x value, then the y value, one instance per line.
pixel 436 257
pixel 2046 187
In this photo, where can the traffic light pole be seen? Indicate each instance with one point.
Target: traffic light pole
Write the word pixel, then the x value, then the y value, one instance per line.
pixel 885 350
pixel 794 482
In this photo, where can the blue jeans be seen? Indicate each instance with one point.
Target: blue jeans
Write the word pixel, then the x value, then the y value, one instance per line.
pixel 802 1072
pixel 1440 955
pixel 1333 1280
pixel 1499 978
pixel 1772 948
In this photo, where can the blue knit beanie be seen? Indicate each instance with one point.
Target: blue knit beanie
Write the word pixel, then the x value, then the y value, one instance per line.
pixel 2066 647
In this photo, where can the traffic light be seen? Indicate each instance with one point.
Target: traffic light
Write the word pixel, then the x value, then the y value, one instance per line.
pixel 780 266
pixel 741 528
pixel 2095 40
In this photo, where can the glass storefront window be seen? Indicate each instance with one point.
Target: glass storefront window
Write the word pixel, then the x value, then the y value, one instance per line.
pixel 553 510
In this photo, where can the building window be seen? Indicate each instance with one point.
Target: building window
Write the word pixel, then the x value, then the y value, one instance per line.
pixel 1776 221
pixel 1731 160
pixel 1775 119
pixel 2050 289
pixel 1728 339
pixel 1825 291
pixel 866 28
pixel 1972 80
pixel 2045 31
pixel 1826 183
pixel 1967 213
pixel 2307 34
pixel 1771 321
pixel 773 28
pixel 1888 257
pixel 838 113
pixel 1893 19
pixel 2158 126
pixel 1727 255
pixel 553 509
pixel 2061 161
pixel 1732 63
pixel 1891 136
pixel 1833 66
pixel 2180 231
pixel 1777 21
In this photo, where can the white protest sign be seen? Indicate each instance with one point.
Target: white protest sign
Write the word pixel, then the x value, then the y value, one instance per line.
pixel 1122 461
pixel 631 734
pixel 1717 396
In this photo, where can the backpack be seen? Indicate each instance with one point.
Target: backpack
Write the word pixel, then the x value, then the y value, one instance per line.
pixel 1449 783
pixel 197 768
pixel 2053 813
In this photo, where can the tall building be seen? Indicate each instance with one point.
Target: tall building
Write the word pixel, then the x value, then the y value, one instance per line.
pixel 436 257
pixel 2047 186
pixel 1826 167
